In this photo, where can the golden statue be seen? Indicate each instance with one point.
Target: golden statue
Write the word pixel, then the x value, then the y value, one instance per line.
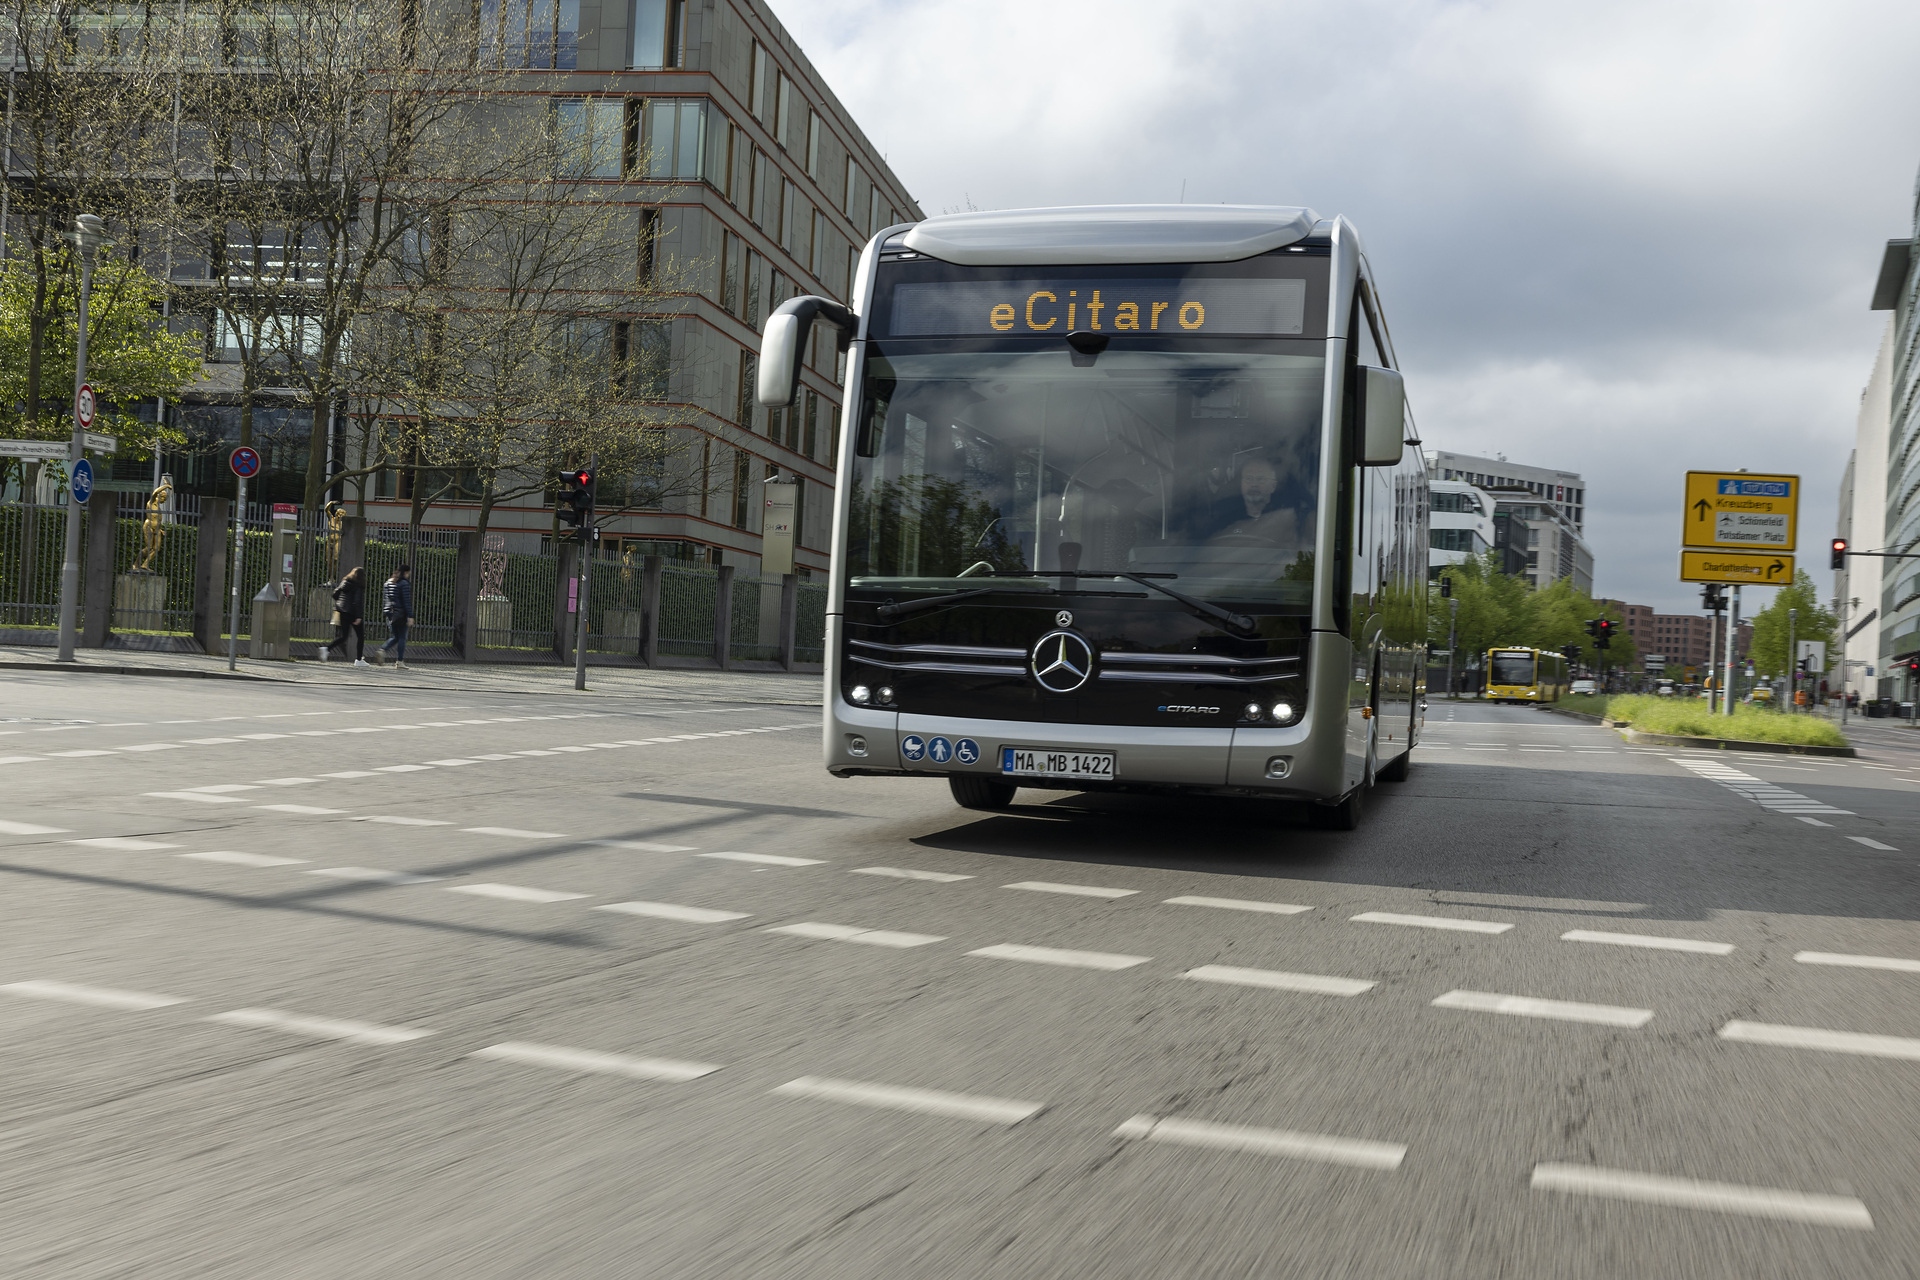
pixel 336 519
pixel 154 530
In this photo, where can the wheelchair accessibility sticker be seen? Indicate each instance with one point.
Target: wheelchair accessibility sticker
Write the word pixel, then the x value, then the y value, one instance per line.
pixel 966 751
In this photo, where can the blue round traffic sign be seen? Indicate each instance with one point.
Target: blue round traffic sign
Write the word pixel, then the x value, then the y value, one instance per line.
pixel 245 461
pixel 82 480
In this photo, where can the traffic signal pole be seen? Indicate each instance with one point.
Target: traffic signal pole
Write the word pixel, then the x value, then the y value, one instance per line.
pixel 587 547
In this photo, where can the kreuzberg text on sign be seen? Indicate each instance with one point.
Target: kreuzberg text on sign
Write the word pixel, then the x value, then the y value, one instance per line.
pixel 1245 307
pixel 1740 509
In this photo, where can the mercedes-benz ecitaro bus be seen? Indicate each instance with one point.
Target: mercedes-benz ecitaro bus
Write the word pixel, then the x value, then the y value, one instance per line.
pixel 1128 499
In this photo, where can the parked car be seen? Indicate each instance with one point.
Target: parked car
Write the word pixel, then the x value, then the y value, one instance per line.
pixel 1583 686
pixel 1761 693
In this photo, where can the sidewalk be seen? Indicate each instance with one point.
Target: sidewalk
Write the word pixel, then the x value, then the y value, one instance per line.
pixel 781 688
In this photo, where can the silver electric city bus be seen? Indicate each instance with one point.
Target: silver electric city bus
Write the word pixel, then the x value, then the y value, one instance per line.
pixel 1124 502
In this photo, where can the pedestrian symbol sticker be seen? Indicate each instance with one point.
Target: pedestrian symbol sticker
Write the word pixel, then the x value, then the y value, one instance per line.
pixel 939 750
pixel 913 746
pixel 966 751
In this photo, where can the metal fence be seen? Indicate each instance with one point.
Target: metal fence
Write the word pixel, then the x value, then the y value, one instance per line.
pixel 32 545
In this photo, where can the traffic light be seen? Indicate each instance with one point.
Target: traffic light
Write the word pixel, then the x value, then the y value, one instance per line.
pixel 576 504
pixel 1839 553
pixel 1593 627
pixel 1603 633
pixel 1446 588
pixel 1711 597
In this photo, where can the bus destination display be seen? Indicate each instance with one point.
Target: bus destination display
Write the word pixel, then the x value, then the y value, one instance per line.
pixel 1238 308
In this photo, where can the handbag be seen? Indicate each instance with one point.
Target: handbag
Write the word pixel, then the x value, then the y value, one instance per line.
pixel 336 617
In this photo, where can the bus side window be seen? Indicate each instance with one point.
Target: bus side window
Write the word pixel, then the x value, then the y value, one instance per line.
pixel 873 424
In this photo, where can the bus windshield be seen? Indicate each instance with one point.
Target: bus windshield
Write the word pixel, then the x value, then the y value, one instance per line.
pixel 1512 668
pixel 1200 468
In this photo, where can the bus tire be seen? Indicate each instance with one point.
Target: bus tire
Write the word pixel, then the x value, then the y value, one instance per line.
pixel 1344 816
pixel 971 791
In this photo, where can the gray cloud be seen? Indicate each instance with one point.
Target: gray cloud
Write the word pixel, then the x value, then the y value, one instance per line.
pixel 1626 239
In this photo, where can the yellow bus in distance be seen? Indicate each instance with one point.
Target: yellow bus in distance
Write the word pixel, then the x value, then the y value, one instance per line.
pixel 1526 675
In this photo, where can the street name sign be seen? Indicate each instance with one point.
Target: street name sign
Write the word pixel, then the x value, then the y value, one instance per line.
pixel 1740 509
pixel 45 450
pixel 1741 568
pixel 99 441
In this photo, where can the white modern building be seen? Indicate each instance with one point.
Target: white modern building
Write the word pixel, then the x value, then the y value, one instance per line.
pixel 1460 524
pixel 1896 388
pixel 1564 491
pixel 1551 505
pixel 1862 518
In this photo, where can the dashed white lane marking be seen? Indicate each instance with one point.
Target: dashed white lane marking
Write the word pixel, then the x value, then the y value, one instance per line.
pixel 450 764
pixel 284 782
pixel 673 911
pixel 77 754
pixel 1813 822
pixel 644 846
pixel 220 787
pixel 1853 1042
pixel 1070 959
pixel 957 1106
pixel 374 875
pixel 1871 843
pixel 29 829
pixel 164 746
pixel 1859 962
pixel 1430 922
pixel 298 808
pixel 1238 904
pixel 515 833
pixel 403 822
pixel 401 768
pixel 350 773
pixel 1078 890
pixel 851 933
pixel 1318 984
pixel 514 892
pixel 297 1024
pixel 770 859
pixel 200 796
pixel 1267 1142
pixel 612 1064
pixel 911 873
pixel 101 997
pixel 123 842
pixel 1528 1007
pixel 19 759
pixel 1648 940
pixel 239 859
pixel 1690 1193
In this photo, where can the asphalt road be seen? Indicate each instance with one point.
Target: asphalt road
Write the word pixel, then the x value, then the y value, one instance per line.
pixel 376 982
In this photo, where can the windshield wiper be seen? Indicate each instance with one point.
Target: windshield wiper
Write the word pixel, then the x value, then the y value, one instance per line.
pixel 891 611
pixel 1234 621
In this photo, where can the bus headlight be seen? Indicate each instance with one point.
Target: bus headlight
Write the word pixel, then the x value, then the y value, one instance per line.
pixel 1284 712
pixel 885 695
pixel 1253 711
pixel 860 695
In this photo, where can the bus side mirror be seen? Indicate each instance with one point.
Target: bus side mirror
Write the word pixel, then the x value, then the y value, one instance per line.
pixel 1383 416
pixel 786 337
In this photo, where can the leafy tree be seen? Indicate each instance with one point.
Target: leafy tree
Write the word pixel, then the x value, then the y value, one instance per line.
pixel 1501 609
pixel 1769 652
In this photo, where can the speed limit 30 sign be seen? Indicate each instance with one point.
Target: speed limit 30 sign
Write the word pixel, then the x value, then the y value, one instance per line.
pixel 83 406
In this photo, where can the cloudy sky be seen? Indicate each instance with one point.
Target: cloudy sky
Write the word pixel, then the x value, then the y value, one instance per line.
pixel 1625 239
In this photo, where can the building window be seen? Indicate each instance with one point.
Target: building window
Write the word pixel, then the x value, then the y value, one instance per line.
pixel 813 424
pixel 590 132
pixel 650 359
pixel 849 204
pixel 656 33
pixel 674 141
pixel 876 209
pixel 538 34
pixel 817 253
pixel 783 112
pixel 742 488
pixel 743 402
pixel 706 473
pixel 648 262
pixel 752 312
pixel 730 265
pixel 813 145
pixel 758 101
pixel 763 199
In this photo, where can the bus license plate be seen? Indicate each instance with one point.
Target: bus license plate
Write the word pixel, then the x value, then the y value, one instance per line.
pixel 1056 764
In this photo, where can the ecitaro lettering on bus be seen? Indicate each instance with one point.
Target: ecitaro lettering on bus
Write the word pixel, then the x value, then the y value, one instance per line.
pixel 1043 313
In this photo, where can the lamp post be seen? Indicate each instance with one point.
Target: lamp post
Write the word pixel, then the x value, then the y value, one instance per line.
pixel 1453 629
pixel 88 232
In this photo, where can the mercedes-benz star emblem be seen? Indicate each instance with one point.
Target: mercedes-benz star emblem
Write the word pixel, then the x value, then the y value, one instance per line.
pixel 1063 619
pixel 1062 661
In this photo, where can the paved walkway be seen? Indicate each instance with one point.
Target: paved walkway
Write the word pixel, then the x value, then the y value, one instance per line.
pixel 765 687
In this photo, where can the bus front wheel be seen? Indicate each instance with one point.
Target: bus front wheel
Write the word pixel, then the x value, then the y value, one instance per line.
pixel 971 791
pixel 1344 816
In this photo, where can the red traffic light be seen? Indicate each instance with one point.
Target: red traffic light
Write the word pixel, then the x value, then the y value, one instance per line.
pixel 583 478
pixel 1839 553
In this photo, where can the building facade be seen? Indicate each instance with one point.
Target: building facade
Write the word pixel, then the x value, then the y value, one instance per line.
pixel 1460 524
pixel 742 179
pixel 1896 384
pixel 1683 639
pixel 1539 514
pixel 1862 516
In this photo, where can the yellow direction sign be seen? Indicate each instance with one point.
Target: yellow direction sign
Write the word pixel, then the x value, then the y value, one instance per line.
pixel 1742 568
pixel 1740 509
